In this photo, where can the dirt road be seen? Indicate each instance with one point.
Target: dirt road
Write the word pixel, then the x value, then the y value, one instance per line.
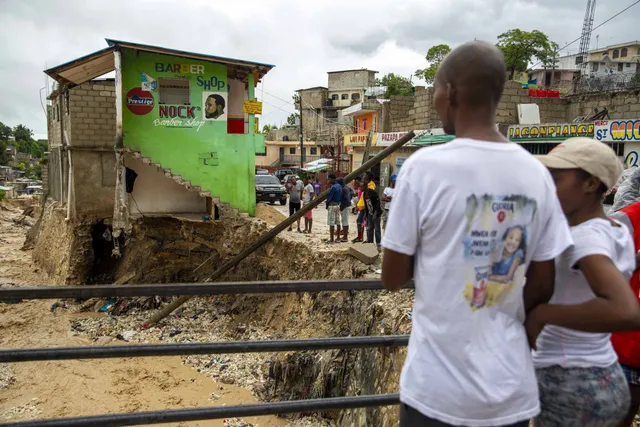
pixel 83 387
pixel 320 228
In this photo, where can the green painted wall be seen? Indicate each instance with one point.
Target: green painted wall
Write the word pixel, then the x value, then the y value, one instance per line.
pixel 191 145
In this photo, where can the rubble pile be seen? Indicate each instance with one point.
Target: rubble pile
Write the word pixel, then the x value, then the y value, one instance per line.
pixel 200 320
pixel 7 376
pixel 27 410
pixel 237 422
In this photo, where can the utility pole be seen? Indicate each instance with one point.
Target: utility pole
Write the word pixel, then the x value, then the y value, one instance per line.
pixel 367 147
pixel 301 133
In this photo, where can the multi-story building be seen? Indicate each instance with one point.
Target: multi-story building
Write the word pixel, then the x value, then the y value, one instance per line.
pixel 321 116
pixel 623 58
pixel 619 58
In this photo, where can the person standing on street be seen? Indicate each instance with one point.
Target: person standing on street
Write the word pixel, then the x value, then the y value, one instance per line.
pixel 627 344
pixel 469 357
pixel 333 207
pixel 373 210
pixel 317 187
pixel 345 206
pixel 355 190
pixel 387 196
pixel 295 194
pixel 308 196
pixel 361 213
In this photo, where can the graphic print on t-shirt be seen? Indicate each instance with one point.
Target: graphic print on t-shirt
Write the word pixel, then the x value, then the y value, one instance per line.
pixel 495 246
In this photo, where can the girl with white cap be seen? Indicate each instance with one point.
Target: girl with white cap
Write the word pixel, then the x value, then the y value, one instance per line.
pixel 581 383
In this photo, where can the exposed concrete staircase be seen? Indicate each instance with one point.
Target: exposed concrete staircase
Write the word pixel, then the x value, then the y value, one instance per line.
pixel 225 210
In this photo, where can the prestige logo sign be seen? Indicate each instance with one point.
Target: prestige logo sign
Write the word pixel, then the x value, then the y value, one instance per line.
pixel 139 102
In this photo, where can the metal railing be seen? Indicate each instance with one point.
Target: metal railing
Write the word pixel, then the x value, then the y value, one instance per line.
pixel 145 350
pixel 186 291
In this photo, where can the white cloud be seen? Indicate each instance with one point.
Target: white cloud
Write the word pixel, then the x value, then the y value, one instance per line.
pixel 303 39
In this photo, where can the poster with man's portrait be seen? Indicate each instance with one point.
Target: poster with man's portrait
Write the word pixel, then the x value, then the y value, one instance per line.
pixel 214 106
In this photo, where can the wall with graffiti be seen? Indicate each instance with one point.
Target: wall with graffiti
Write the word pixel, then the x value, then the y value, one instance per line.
pixel 176 111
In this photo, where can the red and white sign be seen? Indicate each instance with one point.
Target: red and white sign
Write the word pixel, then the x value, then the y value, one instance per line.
pixel 389 138
pixel 139 102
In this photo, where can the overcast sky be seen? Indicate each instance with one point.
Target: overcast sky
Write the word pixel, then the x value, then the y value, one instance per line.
pixel 304 39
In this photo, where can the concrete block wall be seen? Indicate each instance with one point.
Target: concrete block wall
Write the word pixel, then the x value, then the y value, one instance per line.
pixel 422 115
pixel 314 98
pixel 621 105
pixel 399 107
pixel 56 118
pixel 89 120
pixel 552 110
pixel 93 114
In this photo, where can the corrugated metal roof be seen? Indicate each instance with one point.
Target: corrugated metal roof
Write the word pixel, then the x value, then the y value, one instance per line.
pixel 428 139
pixel 101 62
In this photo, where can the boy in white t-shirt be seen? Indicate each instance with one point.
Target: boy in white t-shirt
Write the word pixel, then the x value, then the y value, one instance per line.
pixel 473 208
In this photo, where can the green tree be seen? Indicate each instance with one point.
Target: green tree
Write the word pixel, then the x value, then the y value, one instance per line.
pixel 36 171
pixel 396 85
pixel 5 132
pixel 435 55
pixel 22 133
pixel 291 120
pixel 266 128
pixel 520 48
pixel 43 144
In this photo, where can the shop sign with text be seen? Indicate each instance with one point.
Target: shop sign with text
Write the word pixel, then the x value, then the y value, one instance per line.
pixel 549 132
pixel 389 137
pixel 617 130
pixel 252 107
pixel 359 139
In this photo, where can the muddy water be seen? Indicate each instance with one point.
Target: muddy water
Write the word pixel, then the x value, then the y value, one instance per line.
pixel 85 387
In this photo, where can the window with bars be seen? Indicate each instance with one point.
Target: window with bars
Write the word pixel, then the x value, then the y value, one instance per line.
pixel 623 52
pixel 292 150
pixel 616 54
pixel 314 151
pixel 174 91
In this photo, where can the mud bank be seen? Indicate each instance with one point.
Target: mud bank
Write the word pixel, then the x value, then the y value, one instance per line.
pixel 163 250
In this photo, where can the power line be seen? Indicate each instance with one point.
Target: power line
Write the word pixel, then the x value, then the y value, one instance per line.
pixel 313 110
pixel 595 28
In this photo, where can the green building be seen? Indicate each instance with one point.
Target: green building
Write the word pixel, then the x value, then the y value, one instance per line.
pixel 167 135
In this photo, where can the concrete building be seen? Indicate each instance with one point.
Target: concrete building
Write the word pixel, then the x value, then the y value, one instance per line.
pixel 346 88
pixel 287 154
pixel 6 174
pixel 321 116
pixel 619 58
pixel 182 142
pixel 285 133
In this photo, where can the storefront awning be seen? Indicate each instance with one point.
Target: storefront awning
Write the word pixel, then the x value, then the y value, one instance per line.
pixel 427 139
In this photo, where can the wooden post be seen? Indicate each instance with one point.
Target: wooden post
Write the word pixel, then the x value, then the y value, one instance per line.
pixel 280 227
pixel 120 206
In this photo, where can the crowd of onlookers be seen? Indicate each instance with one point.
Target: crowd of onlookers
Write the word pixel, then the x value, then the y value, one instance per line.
pixel 360 197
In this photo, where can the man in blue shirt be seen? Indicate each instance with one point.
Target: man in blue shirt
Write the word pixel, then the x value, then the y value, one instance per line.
pixel 333 206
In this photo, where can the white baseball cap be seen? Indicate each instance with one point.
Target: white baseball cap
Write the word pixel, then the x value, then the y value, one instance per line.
pixel 592 156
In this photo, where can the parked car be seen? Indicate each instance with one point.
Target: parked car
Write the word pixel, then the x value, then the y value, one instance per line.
pixel 269 189
pixel 281 173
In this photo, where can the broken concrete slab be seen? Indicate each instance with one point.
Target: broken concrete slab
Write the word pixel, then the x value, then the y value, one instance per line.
pixel 367 253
